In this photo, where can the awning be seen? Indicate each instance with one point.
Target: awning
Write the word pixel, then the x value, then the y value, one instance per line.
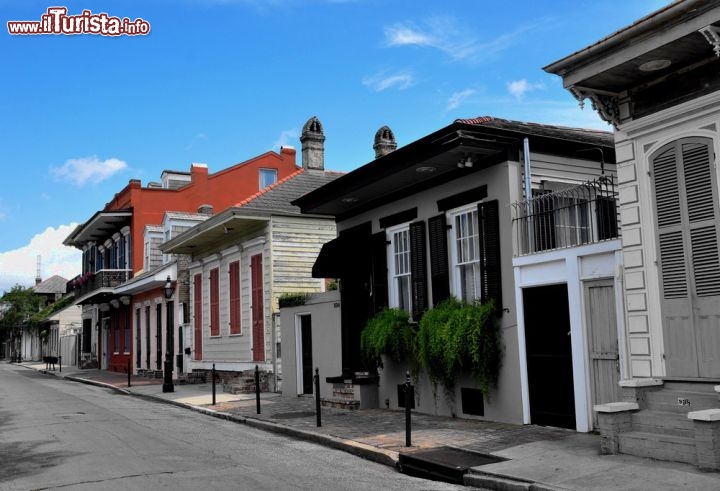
pixel 329 263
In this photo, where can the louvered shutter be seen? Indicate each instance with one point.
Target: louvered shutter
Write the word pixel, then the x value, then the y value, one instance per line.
pixel 379 293
pixel 234 281
pixel 418 269
pixel 214 303
pixel 687 219
pixel 489 243
pixel 439 269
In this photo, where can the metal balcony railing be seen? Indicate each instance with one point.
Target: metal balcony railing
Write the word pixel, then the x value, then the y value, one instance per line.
pixel 582 214
pixel 105 278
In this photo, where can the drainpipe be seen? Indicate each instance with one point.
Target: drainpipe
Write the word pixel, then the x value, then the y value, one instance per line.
pixel 526 162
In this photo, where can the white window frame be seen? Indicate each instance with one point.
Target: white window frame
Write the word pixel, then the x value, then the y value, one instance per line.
pixel 455 277
pixel 393 293
pixel 265 171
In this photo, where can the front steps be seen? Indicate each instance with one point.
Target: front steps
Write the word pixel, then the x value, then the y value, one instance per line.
pixel 671 421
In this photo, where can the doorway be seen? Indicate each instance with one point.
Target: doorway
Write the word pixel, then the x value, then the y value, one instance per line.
pixel 549 357
pixel 602 336
pixel 303 335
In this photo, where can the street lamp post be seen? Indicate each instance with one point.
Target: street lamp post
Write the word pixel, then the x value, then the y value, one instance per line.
pixel 169 291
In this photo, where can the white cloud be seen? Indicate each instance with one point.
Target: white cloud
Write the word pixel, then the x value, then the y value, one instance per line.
pixel 382 81
pixel 88 169
pixel 197 138
pixel 286 137
pixel 457 98
pixel 518 88
pixel 449 36
pixel 19 266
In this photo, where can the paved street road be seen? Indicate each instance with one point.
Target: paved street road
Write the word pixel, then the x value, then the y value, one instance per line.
pixel 58 434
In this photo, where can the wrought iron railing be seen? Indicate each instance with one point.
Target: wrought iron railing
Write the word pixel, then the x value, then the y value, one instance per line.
pixel 105 278
pixel 582 214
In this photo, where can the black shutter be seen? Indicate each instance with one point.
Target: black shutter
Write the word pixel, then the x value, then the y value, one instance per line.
pixel 379 293
pixel 439 272
pixel 606 212
pixel 418 269
pixel 490 277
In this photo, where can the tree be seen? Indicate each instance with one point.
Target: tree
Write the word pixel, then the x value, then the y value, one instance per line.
pixel 16 311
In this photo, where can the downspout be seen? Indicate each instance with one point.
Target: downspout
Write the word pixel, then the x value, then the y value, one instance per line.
pixel 528 196
pixel 526 162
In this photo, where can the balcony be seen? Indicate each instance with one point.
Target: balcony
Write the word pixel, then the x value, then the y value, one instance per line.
pixel 579 215
pixel 102 281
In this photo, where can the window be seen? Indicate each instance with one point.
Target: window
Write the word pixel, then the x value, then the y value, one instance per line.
pixel 267 177
pixel 475 253
pixel 399 268
pixel 466 255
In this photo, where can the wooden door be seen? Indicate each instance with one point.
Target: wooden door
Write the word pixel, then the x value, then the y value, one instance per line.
pixel 306 353
pixel 688 217
pixel 549 356
pixel 601 322
pixel 258 307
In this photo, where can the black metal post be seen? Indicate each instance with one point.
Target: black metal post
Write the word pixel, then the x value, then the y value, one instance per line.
pixel 257 388
pixel 317 396
pixel 408 401
pixel 129 370
pixel 168 385
pixel 213 384
pixel 60 352
pixel 60 363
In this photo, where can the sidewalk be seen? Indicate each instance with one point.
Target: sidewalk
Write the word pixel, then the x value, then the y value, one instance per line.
pixel 538 458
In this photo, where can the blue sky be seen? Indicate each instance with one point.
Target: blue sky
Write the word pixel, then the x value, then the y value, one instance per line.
pixel 220 81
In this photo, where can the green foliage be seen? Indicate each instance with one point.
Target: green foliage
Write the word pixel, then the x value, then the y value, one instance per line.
pixel 332 285
pixel 388 333
pixel 293 299
pixel 51 309
pixel 454 336
pixel 17 308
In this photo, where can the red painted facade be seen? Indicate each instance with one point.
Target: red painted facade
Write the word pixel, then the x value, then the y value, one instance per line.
pixel 149 204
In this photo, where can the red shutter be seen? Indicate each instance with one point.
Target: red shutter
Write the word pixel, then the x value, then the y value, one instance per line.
pixel 197 300
pixel 258 309
pixel 234 273
pixel 214 302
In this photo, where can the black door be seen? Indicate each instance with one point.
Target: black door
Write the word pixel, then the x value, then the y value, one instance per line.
pixel 549 357
pixel 307 362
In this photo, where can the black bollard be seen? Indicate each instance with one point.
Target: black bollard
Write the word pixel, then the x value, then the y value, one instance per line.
pixel 257 388
pixel 213 384
pixel 129 370
pixel 60 363
pixel 317 396
pixel 408 402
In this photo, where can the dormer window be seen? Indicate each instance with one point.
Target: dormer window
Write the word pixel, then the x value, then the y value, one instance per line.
pixel 268 177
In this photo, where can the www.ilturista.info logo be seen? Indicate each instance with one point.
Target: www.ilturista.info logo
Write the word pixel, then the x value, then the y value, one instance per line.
pixel 57 21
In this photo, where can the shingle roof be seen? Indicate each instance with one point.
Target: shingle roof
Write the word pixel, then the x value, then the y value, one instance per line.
pixel 277 198
pixel 54 284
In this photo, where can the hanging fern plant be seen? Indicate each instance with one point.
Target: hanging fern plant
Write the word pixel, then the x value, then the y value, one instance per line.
pixel 388 333
pixel 456 336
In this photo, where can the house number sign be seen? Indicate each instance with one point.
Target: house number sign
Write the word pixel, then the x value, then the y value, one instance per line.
pixel 683 402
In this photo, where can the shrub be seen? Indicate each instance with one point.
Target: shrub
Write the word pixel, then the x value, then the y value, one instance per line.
pixel 293 299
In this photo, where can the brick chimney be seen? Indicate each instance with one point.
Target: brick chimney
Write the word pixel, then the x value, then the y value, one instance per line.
pixel 312 140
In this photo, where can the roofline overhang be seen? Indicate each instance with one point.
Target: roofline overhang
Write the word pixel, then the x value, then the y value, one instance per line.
pixel 152 281
pixel 628 42
pixel 456 135
pixel 213 223
pixel 75 238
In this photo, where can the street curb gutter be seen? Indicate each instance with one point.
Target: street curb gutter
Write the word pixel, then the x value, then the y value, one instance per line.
pixel 386 457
